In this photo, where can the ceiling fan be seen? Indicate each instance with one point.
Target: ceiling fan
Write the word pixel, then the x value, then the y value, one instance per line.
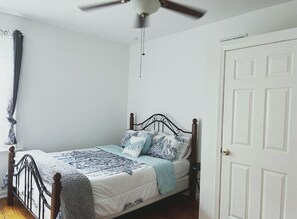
pixel 144 8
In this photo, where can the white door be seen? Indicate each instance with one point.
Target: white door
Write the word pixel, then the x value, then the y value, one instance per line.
pixel 259 177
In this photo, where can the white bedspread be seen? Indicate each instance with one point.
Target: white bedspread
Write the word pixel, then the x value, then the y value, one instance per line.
pixel 118 192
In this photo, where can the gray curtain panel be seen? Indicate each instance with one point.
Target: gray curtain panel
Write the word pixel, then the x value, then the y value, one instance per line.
pixel 18 52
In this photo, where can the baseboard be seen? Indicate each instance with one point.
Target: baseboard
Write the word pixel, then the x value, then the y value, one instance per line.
pixel 3 193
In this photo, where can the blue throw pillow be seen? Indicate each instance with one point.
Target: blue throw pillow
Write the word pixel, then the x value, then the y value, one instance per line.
pixel 134 146
pixel 148 141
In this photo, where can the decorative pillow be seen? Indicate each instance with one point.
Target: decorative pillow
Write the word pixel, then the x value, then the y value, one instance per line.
pixel 164 147
pixel 187 153
pixel 157 137
pixel 184 148
pixel 148 141
pixel 156 149
pixel 134 146
pixel 170 146
pixel 128 134
pixel 151 132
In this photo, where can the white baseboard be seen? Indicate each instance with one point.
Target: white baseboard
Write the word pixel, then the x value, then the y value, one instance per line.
pixel 3 193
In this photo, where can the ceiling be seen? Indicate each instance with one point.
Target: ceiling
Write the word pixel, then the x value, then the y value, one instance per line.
pixel 116 22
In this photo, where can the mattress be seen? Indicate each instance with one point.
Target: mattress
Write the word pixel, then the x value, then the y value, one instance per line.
pixel 121 192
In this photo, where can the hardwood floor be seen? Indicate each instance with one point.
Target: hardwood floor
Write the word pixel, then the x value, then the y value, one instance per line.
pixel 177 207
pixel 17 211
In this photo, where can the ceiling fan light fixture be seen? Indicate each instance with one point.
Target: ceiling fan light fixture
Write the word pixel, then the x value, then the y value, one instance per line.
pixel 146 7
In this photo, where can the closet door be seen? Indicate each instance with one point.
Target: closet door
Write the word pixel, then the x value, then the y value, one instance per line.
pixel 259 151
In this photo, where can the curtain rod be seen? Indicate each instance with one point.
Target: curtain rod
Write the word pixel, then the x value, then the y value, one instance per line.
pixel 6 32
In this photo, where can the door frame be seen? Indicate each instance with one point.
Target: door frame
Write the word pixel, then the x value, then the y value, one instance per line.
pixel 263 39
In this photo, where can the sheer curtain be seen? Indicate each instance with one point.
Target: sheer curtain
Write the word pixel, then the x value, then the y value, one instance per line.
pixel 6 79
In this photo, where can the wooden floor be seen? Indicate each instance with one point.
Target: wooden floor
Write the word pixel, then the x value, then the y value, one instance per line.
pixel 14 212
pixel 177 207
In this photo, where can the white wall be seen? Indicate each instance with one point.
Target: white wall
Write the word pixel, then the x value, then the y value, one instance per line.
pixel 73 88
pixel 181 76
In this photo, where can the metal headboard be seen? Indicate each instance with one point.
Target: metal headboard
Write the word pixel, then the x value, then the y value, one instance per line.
pixel 160 121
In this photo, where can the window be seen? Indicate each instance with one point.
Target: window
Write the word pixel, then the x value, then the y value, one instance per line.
pixel 6 79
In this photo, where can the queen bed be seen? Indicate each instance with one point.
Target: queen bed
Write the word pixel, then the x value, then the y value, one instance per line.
pixel 106 181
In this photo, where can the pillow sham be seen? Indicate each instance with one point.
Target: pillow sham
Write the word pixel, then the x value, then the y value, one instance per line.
pixel 151 132
pixel 128 134
pixel 157 148
pixel 134 146
pixel 157 137
pixel 184 149
pixel 165 147
pixel 148 141
pixel 170 146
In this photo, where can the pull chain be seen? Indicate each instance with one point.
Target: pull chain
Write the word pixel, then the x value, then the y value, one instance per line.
pixel 142 53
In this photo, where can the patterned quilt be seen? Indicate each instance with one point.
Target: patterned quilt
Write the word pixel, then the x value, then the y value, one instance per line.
pixel 98 162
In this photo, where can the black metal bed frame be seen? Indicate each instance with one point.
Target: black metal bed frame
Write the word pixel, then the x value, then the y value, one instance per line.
pixel 28 169
pixel 159 121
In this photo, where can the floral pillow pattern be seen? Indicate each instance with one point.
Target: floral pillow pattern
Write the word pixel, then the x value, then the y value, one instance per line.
pixel 128 134
pixel 148 135
pixel 165 147
pixel 156 149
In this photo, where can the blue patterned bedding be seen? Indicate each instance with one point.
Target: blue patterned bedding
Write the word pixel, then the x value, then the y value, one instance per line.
pixel 109 160
pixel 164 169
pixel 98 162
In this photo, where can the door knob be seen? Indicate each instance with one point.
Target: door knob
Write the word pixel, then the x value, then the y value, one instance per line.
pixel 226 152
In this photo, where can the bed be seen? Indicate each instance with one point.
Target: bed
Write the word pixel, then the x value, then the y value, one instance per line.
pixel 116 190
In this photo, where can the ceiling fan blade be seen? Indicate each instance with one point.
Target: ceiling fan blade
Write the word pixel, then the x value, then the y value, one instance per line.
pixel 196 13
pixel 95 6
pixel 141 21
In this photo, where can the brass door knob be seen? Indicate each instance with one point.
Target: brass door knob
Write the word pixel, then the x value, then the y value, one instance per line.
pixel 226 152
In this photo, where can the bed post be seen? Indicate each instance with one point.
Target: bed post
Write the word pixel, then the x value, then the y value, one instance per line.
pixel 55 200
pixel 194 164
pixel 194 141
pixel 131 127
pixel 11 156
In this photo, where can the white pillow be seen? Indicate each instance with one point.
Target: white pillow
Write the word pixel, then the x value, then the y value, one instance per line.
pixel 187 153
pixel 184 150
pixel 134 146
pixel 129 133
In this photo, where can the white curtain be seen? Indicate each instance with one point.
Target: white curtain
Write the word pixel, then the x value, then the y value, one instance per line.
pixel 6 81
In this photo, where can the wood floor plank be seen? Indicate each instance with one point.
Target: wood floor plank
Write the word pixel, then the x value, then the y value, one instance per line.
pixel 176 207
pixel 17 211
